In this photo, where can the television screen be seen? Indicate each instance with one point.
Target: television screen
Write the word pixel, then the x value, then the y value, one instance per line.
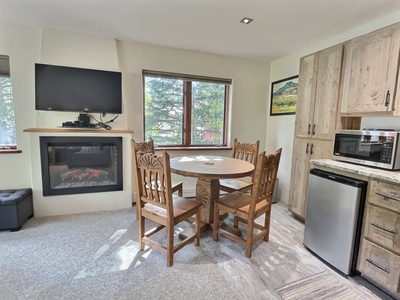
pixel 72 89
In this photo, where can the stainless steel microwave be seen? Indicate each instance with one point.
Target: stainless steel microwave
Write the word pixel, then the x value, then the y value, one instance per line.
pixel 374 148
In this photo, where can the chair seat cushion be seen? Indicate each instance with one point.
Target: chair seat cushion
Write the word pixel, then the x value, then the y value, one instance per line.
pixel 232 185
pixel 241 202
pixel 181 206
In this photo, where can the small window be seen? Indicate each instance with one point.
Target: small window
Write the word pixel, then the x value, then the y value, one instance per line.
pixel 185 110
pixel 7 121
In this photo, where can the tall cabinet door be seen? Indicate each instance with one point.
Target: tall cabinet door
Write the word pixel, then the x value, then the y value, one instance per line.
pixel 318 93
pixel 306 95
pixel 316 115
pixel 299 176
pixel 327 92
pixel 303 151
pixel 371 67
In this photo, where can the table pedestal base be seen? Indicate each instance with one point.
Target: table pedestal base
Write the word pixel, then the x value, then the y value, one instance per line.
pixel 207 191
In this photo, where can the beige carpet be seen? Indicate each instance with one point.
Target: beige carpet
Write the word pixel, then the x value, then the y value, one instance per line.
pixel 323 286
pixel 96 256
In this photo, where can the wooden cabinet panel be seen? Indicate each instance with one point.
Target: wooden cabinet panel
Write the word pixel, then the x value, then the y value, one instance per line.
pixel 384 194
pixel 299 177
pixel 306 95
pixel 327 92
pixel 370 70
pixel 303 151
pixel 380 265
pixel 316 115
pixel 379 258
pixel 382 226
pixel 318 93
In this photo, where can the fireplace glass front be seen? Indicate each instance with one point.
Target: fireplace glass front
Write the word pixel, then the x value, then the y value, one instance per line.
pixel 75 165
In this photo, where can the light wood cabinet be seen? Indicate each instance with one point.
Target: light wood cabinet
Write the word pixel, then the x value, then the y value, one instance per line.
pixel 303 151
pixel 370 73
pixel 316 115
pixel 318 93
pixel 380 266
pixel 384 194
pixel 379 258
pixel 383 227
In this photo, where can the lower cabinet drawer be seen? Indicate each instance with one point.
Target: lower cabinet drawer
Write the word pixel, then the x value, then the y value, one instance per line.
pixel 384 194
pixel 380 266
pixel 382 226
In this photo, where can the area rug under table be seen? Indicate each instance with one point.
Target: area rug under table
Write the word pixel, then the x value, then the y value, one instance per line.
pixel 320 286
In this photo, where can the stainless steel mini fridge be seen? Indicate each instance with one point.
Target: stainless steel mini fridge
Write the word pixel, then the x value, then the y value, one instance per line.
pixel 334 212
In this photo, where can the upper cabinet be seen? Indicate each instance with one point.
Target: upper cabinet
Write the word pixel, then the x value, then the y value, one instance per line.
pixel 318 93
pixel 370 73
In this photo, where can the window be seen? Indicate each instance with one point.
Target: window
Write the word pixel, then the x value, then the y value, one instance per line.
pixel 185 110
pixel 7 123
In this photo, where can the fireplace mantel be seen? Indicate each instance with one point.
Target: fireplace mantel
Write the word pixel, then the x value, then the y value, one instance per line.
pixel 78 130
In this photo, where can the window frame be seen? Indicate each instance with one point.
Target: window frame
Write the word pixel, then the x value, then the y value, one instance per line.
pixel 187 108
pixel 5 72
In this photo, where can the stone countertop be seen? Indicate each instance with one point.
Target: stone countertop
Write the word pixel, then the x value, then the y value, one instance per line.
pixel 390 176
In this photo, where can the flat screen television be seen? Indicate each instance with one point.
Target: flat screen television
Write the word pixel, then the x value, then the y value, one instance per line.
pixel 59 88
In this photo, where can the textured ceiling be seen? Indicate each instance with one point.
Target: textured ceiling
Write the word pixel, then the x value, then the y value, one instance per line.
pixel 280 27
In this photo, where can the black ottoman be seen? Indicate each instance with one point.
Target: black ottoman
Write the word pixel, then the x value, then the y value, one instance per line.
pixel 15 208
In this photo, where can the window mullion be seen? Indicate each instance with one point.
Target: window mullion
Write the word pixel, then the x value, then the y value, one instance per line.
pixel 187 116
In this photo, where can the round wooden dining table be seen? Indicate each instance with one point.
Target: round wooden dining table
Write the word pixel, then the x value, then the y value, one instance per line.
pixel 208 170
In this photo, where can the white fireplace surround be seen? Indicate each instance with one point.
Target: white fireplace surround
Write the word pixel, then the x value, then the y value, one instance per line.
pixel 79 203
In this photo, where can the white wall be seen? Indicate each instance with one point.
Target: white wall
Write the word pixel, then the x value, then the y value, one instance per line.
pixel 280 129
pixel 249 93
pixel 22 44
pixel 27 46
pixel 250 83
pixel 76 50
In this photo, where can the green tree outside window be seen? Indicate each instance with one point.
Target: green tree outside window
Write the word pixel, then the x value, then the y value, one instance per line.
pixel 7 122
pixel 168 102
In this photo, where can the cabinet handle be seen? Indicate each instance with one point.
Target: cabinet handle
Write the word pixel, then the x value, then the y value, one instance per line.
pixel 387 98
pixel 313 129
pixel 309 129
pixel 383 228
pixel 378 266
pixel 307 148
pixel 388 197
pixel 311 150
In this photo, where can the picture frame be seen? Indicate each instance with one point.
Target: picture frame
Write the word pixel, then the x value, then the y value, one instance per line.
pixel 284 96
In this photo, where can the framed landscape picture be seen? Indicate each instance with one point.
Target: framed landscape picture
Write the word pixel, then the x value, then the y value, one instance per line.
pixel 284 96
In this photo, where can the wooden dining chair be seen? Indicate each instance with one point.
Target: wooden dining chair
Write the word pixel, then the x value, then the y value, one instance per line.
pixel 243 151
pixel 156 202
pixel 246 208
pixel 148 147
